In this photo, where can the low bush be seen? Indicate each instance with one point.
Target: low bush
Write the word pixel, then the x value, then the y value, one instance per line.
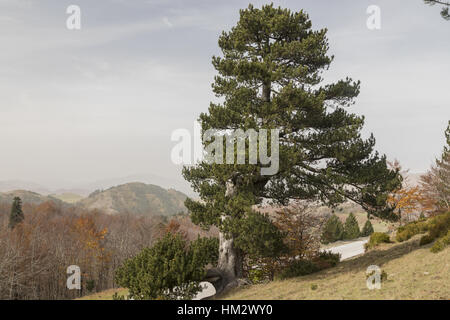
pixel 327 259
pixel 256 275
pixel 438 226
pixel 302 267
pixel 298 268
pixel 426 239
pixel 411 229
pixel 375 239
pixel 171 269
pixel 441 243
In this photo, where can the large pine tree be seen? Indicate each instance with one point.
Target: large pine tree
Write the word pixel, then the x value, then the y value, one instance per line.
pixel 269 77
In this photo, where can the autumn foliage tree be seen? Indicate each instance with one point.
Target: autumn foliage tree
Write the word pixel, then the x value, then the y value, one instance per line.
pixel 435 184
pixel 299 227
pixel 89 239
pixel 35 254
pixel 407 199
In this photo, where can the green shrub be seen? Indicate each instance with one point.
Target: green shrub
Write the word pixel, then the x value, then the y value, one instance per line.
pixel 426 239
pixel 411 229
pixel 327 259
pixel 351 228
pixel 171 269
pixel 375 239
pixel 441 243
pixel 313 286
pixel 206 249
pixel 298 268
pixel 302 267
pixel 259 237
pixel 367 229
pixel 333 230
pixel 256 275
pixel 439 225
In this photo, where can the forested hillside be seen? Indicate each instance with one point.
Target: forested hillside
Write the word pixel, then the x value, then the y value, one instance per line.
pixel 137 198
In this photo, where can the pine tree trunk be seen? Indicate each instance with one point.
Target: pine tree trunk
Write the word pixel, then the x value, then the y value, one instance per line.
pixel 230 260
pixel 266 91
pixel 229 268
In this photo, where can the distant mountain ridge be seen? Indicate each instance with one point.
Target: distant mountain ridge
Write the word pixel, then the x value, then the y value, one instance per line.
pixel 147 178
pixel 14 185
pixel 136 198
pixel 85 188
pixel 26 197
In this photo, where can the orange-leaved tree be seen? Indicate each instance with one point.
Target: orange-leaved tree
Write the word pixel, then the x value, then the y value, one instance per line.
pixel 407 199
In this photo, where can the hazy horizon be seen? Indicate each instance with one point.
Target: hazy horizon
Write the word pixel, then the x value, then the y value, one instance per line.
pixel 80 106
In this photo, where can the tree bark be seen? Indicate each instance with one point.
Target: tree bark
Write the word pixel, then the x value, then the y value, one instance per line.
pixel 229 268
pixel 230 258
pixel 266 91
pixel 228 273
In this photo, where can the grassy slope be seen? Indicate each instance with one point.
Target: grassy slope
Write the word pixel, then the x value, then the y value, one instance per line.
pixel 361 217
pixel 68 197
pixel 413 273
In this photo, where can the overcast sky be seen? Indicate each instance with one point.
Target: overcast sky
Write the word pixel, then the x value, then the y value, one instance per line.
pixel 101 102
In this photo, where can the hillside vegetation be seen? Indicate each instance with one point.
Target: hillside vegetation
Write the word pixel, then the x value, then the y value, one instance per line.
pixel 413 273
pixel 136 198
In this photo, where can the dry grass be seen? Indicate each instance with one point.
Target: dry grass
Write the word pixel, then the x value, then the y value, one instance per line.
pixel 105 295
pixel 68 197
pixel 361 216
pixel 413 273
